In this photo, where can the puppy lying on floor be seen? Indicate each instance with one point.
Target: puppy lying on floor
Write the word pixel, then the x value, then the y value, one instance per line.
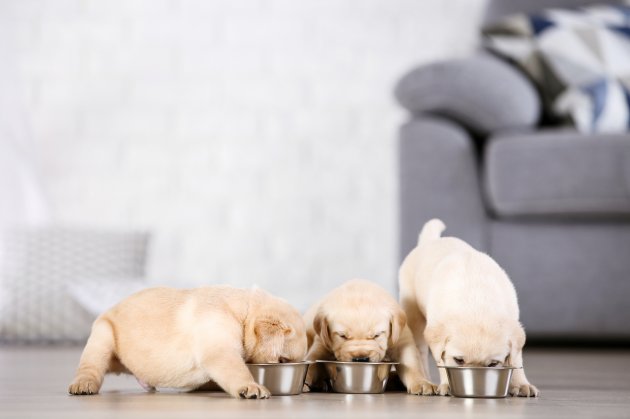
pixel 462 305
pixel 185 338
pixel 359 321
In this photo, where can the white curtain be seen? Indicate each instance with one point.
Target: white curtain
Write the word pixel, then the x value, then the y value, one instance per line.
pixel 22 200
pixel 21 197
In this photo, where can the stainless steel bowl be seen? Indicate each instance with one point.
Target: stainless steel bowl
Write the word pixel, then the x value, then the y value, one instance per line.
pixel 479 381
pixel 357 377
pixel 281 379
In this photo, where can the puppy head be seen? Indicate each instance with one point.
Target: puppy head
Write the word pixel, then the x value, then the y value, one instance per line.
pixel 274 332
pixel 475 345
pixel 362 333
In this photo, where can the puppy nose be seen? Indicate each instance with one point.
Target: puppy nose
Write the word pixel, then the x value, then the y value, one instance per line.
pixel 361 359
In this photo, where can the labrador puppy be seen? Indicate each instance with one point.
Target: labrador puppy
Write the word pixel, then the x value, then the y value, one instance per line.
pixel 462 305
pixel 186 338
pixel 359 321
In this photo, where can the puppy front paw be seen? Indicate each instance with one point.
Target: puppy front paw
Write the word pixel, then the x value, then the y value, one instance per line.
pixel 524 390
pixel 84 385
pixel 443 389
pixel 253 391
pixel 422 387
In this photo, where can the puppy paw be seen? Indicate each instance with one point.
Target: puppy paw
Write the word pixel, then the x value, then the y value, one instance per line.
pixel 524 390
pixel 84 385
pixel 443 390
pixel 306 388
pixel 423 387
pixel 253 391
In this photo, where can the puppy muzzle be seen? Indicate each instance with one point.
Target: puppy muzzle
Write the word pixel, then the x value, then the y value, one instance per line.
pixel 359 355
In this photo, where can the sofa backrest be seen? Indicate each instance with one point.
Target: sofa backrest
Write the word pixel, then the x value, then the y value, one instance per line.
pixel 499 8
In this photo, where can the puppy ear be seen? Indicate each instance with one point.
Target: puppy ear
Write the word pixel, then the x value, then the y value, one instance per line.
pixel 397 324
pixel 320 325
pixel 436 337
pixel 269 337
pixel 516 343
pixel 267 327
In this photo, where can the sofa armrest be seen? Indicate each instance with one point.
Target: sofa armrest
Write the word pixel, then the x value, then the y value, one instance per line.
pixel 482 92
pixel 439 177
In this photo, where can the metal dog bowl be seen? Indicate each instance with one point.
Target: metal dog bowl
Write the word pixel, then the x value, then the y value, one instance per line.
pixel 357 377
pixel 281 379
pixel 479 381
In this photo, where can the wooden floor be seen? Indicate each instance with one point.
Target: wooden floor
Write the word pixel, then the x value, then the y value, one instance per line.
pixel 574 384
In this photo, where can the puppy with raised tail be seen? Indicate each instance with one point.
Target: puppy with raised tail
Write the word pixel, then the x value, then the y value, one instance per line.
pixel 359 321
pixel 462 305
pixel 187 338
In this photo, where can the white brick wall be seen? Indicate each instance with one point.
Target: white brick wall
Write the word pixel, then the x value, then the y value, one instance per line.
pixel 256 138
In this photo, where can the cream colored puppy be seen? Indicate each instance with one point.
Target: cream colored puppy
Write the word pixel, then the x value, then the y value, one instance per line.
pixel 462 305
pixel 359 321
pixel 185 338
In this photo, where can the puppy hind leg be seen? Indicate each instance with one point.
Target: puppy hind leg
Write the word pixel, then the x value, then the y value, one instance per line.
pixel 95 360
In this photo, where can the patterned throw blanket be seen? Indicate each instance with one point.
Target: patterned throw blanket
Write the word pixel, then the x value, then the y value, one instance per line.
pixel 578 58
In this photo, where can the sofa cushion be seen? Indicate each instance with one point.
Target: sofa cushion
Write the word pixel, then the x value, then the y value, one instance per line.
pixel 558 173
pixel 482 92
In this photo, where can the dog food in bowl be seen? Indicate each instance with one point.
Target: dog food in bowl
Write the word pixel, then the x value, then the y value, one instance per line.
pixel 357 377
pixel 479 381
pixel 281 379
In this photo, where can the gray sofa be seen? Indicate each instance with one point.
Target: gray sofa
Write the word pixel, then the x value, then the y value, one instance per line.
pixel 552 206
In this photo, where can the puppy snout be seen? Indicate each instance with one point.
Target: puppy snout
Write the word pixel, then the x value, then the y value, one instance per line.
pixel 359 353
pixel 359 356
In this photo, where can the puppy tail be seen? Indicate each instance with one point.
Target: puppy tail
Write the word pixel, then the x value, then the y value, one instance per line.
pixel 432 230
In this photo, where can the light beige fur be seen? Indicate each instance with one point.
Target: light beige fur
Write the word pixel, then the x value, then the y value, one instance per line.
pixel 462 305
pixel 185 338
pixel 360 319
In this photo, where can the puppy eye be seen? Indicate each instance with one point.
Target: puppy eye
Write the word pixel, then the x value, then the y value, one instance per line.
pixel 458 360
pixel 376 335
pixel 283 360
pixel 342 336
pixel 493 364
